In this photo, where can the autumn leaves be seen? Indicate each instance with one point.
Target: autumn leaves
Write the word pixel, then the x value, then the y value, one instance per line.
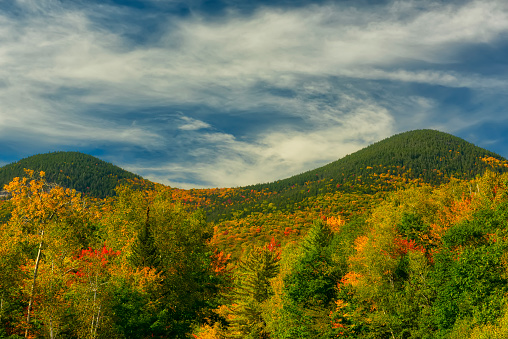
pixel 72 266
pixel 423 261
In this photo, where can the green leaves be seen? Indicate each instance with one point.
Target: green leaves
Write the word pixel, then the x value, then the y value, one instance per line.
pixel 312 280
pixel 470 283
pixel 251 288
pixel 144 250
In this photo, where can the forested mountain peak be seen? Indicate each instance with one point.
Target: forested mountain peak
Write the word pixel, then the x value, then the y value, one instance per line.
pixel 421 151
pixel 74 170
pixel 419 156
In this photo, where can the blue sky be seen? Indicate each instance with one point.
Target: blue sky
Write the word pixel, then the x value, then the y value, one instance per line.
pixel 229 93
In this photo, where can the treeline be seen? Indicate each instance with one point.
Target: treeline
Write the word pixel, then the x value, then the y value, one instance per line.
pixel 74 170
pixel 424 262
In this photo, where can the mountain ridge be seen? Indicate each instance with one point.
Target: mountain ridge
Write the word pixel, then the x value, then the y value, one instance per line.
pixel 425 154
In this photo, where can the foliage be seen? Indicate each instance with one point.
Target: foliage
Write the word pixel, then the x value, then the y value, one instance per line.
pixel 421 156
pixel 405 239
pixel 308 288
pixel 160 236
pixel 68 259
pixel 251 288
pixel 74 170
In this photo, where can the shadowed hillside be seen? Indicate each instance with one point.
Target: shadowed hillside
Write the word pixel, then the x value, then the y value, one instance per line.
pixel 74 170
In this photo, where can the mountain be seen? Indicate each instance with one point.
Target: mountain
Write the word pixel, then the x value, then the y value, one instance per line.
pixel 425 152
pixel 383 243
pixel 74 170
pixel 424 156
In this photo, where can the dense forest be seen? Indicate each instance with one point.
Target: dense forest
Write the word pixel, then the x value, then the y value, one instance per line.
pixel 427 156
pixel 74 170
pixel 400 255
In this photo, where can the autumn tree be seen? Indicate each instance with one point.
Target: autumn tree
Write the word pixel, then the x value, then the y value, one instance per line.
pixel 91 292
pixel 51 222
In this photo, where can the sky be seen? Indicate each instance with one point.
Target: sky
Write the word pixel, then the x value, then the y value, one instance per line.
pixel 226 93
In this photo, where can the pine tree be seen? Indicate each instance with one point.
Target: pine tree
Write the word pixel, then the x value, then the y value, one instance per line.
pixel 252 287
pixel 144 251
pixel 309 288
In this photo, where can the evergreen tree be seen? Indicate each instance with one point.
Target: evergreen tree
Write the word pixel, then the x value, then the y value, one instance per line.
pixel 144 251
pixel 252 288
pixel 310 287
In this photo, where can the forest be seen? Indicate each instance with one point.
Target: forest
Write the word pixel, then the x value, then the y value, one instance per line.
pixel 393 256
pixel 73 170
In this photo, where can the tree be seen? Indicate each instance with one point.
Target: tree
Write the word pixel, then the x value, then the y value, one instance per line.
pixel 91 291
pixel 309 287
pixel 51 223
pixel 11 277
pixel 470 271
pixel 159 236
pixel 144 250
pixel 251 289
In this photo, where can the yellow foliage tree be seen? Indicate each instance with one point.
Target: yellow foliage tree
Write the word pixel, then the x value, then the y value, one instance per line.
pixel 52 220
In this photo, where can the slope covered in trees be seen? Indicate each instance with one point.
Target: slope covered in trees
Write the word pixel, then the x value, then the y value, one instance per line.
pixel 426 262
pixel 419 154
pixel 425 156
pixel 347 187
pixel 74 170
pixel 411 260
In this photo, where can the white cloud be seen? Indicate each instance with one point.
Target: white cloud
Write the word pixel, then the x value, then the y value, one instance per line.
pixel 56 63
pixel 214 61
pixel 191 124
pixel 276 154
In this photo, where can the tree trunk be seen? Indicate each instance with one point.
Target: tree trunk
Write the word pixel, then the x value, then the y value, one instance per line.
pixel 32 292
pixel 95 320
pixel 51 333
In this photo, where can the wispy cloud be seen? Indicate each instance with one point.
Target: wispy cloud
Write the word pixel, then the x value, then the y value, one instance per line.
pixel 247 97
pixel 190 124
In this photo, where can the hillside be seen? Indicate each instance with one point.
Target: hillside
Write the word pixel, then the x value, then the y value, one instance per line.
pixel 74 170
pixel 425 156
pixel 348 188
pixel 431 155
pixel 381 244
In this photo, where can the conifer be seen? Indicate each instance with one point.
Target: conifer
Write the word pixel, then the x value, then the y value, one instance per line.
pixel 144 251
pixel 252 287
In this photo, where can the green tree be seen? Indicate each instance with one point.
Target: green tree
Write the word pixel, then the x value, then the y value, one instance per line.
pixel 309 288
pixel 251 289
pixel 11 278
pixel 144 250
pixel 470 271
